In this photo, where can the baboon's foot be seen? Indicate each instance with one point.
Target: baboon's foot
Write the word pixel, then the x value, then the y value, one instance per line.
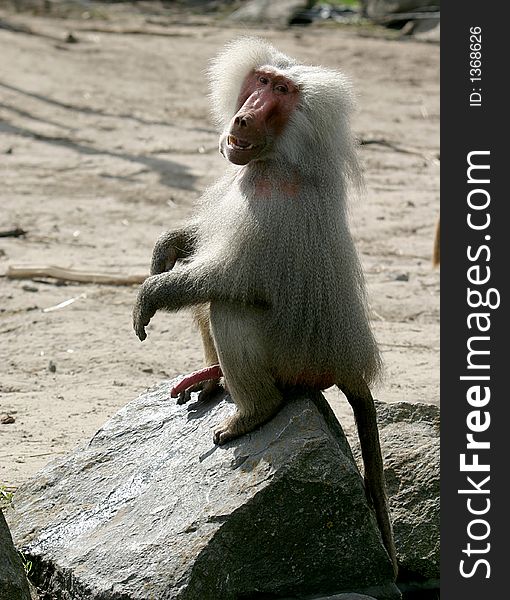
pixel 207 390
pixel 231 428
pixel 195 382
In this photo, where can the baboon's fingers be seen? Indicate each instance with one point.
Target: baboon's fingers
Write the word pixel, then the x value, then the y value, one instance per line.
pixel 139 327
pixel 145 308
pixel 140 322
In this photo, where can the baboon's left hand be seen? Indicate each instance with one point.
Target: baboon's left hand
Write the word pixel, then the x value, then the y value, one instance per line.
pixel 145 307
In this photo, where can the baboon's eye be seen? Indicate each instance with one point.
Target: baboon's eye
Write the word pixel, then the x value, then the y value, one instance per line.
pixel 263 80
pixel 281 88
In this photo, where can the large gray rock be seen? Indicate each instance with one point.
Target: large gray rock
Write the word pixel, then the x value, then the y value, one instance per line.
pixel 410 445
pixel 151 509
pixel 13 582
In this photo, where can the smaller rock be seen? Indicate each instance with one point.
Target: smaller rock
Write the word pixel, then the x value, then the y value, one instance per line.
pixel 13 581
pixel 409 435
pixel 6 419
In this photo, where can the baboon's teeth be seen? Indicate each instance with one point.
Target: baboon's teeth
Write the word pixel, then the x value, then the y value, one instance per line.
pixel 239 144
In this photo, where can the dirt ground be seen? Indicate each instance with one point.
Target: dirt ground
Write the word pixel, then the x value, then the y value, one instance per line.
pixel 106 142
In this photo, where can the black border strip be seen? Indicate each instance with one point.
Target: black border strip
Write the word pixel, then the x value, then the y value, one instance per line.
pixel 477 539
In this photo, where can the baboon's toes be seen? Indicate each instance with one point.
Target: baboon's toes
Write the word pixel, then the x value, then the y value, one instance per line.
pixel 223 434
pixel 209 389
pixel 230 429
pixel 206 389
pixel 184 396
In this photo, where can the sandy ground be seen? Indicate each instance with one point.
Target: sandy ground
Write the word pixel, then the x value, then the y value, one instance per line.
pixel 107 142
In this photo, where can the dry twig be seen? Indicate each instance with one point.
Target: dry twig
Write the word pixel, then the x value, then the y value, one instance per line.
pixel 63 274
pixel 16 232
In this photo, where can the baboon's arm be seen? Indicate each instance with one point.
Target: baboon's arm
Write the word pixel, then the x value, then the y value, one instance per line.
pixel 170 290
pixel 191 286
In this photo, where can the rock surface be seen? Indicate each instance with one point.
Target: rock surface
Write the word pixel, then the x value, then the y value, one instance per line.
pixel 13 582
pixel 410 445
pixel 150 508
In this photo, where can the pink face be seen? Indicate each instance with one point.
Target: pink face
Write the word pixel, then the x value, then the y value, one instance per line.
pixel 265 103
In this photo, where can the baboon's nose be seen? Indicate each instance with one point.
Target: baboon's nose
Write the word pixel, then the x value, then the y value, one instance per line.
pixel 243 120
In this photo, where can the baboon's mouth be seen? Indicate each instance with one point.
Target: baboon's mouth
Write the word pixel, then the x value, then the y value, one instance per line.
pixel 239 144
pixel 239 151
